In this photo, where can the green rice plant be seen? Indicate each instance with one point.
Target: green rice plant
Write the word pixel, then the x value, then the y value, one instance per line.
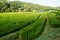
pixel 53 20
pixel 10 22
pixel 34 30
pixel 58 16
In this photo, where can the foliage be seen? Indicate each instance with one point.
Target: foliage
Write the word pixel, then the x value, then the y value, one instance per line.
pixel 29 25
pixel 53 20
pixel 34 30
pixel 12 22
pixel 17 6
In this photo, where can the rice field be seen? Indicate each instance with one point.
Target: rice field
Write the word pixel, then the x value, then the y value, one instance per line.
pixel 28 25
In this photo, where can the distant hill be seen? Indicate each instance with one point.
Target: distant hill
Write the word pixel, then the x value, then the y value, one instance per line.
pixel 15 6
pixel 58 8
pixel 35 6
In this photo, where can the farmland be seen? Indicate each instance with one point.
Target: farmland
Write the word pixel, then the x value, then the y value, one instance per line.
pixel 29 26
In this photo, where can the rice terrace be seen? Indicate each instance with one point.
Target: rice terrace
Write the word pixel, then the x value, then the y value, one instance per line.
pixel 23 24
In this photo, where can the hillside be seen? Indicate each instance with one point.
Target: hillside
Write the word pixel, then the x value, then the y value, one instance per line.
pixel 17 6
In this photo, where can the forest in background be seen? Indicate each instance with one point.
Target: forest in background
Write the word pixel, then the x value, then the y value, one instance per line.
pixel 18 6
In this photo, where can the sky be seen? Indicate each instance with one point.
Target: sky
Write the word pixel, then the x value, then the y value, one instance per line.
pixel 53 3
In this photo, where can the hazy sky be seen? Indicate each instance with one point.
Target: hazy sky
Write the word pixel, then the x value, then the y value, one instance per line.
pixel 53 3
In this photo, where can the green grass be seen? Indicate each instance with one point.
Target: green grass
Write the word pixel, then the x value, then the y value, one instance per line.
pixel 49 33
pixel 29 26
pixel 14 21
pixel 58 16
pixel 53 21
pixel 34 30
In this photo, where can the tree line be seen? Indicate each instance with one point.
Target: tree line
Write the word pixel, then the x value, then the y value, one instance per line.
pixel 17 6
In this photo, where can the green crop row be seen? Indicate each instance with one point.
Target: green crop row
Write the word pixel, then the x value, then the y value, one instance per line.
pixel 10 22
pixel 58 16
pixel 34 30
pixel 53 20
